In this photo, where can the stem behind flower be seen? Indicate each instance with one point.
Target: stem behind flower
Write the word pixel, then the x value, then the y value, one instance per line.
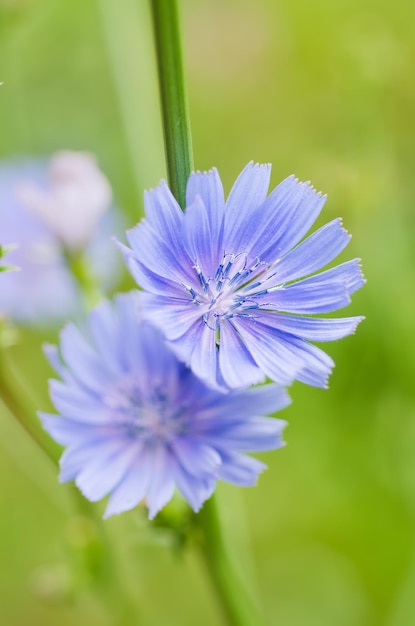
pixel 237 606
pixel 176 122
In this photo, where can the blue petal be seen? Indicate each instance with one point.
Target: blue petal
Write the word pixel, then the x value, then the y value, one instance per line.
pixel 74 459
pixel 146 278
pixel 200 244
pixel 196 458
pixel 265 225
pixel 68 432
pixel 238 404
pixel 52 354
pixel 103 327
pixel 241 470
pixel 310 256
pixel 253 435
pixel 271 354
pixel 323 293
pixel 349 273
pixel 204 359
pixel 106 467
pixel 293 221
pixel 77 404
pixel 316 365
pixel 186 345
pixel 161 487
pixel 164 214
pixel 311 328
pixel 247 194
pixel 173 316
pixel 83 361
pixel 315 297
pixel 154 252
pixel 132 488
pixel 209 187
pixel 83 453
pixel 159 368
pixel 237 365
pixel 195 490
pixel 129 321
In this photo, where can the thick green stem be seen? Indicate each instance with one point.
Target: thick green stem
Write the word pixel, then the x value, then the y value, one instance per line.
pixel 176 124
pixel 237 607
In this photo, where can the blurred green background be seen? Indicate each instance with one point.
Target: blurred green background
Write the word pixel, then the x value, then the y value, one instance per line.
pixel 324 90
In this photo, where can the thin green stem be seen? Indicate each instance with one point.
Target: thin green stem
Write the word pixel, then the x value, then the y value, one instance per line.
pixel 14 400
pixel 87 281
pixel 237 607
pixel 176 123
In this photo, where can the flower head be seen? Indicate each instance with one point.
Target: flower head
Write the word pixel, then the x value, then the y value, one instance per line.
pixel 232 284
pixel 44 290
pixel 136 422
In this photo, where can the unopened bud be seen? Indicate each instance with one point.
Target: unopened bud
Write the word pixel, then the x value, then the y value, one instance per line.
pixel 75 196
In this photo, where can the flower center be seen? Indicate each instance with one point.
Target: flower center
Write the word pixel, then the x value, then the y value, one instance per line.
pixel 147 416
pixel 218 296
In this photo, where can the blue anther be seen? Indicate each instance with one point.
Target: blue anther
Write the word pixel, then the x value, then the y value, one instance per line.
pixel 227 268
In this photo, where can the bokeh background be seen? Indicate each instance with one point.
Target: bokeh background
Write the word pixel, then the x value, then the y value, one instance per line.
pixel 321 89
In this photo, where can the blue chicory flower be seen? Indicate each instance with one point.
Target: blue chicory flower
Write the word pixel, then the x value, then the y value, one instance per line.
pixel 231 284
pixel 137 422
pixel 46 210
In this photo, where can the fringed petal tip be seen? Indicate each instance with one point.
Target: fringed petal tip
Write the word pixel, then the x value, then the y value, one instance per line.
pixel 212 170
pixel 362 276
pixel 307 185
pixel 357 321
pixel 282 424
pixel 162 185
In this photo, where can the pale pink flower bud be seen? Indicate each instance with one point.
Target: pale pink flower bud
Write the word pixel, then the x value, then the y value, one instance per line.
pixel 76 195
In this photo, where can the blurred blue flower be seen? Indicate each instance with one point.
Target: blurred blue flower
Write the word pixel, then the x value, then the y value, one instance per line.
pixel 47 212
pixel 136 422
pixel 222 279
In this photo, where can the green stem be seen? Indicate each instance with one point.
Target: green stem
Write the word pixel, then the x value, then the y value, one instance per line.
pixel 176 123
pixel 16 405
pixel 237 607
pixel 88 283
